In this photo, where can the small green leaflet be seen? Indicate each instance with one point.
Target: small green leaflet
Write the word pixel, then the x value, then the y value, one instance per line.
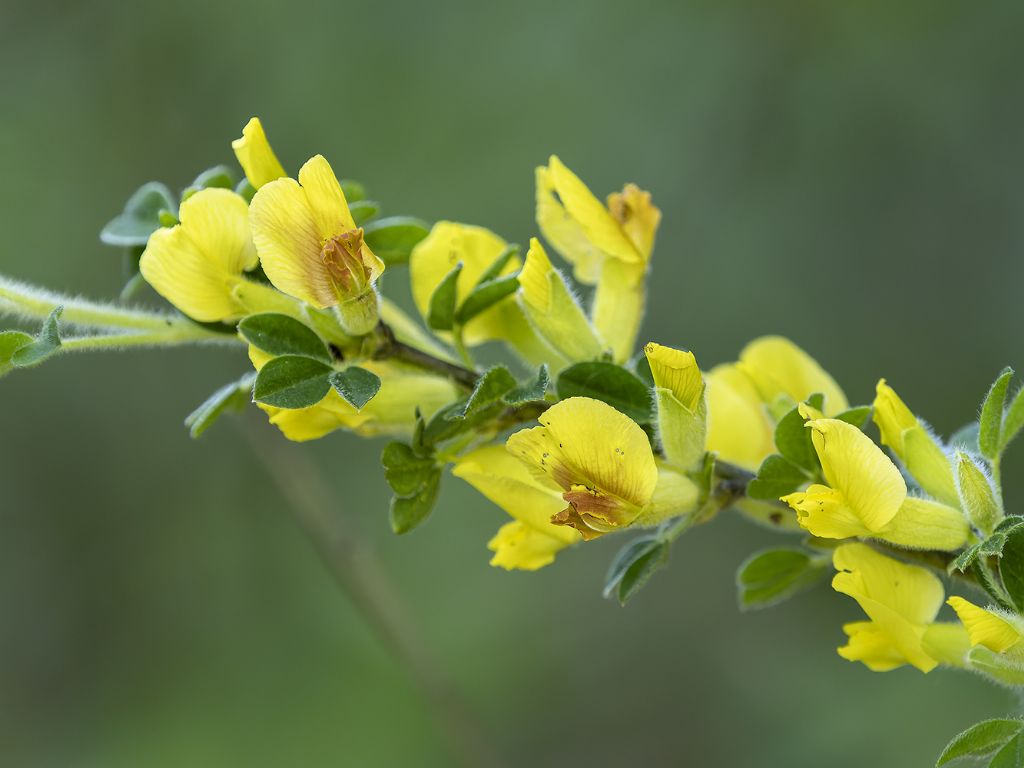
pixel 767 578
pixel 394 237
pixel 609 383
pixel 141 216
pixel 490 389
pixel 776 477
pixel 532 390
pixel 292 382
pixel 11 342
pixel 356 385
pixel 278 334
pixel 793 438
pixel 363 211
pixel 485 296
pixel 991 420
pixel 981 740
pixel 441 314
pixel 218 177
pixel 405 470
pixel 353 190
pixel 231 397
pixel 44 345
pixel 496 267
pixel 634 565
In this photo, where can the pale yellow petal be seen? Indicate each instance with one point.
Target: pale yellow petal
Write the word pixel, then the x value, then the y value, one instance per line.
pixel 777 367
pixel 824 513
pixel 870 484
pixel 637 215
pixel 946 642
pixel 564 233
pixel 254 154
pixel 326 199
pixel 521 547
pixel 912 592
pixel 677 371
pixel 738 428
pixel 892 416
pixel 618 307
pixel 675 494
pixel 926 524
pixel 871 646
pixel 986 628
pixel 288 243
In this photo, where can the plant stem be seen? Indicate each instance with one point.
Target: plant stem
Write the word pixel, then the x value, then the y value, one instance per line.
pixel 391 348
pixel 170 337
pixel 360 576
pixel 29 301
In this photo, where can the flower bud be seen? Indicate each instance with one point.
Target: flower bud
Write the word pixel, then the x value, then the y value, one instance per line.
pixel 976 496
pixel 679 397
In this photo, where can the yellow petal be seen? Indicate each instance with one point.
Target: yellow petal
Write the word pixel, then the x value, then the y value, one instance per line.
pixel 739 431
pixel 985 627
pixel 900 599
pixel 871 646
pixel 289 245
pixel 675 494
pixel 507 482
pixel 892 416
pixel 196 264
pixel 824 513
pixel 552 309
pixel 676 371
pixel 564 233
pixel 520 547
pixel 679 397
pixel 254 154
pixel 619 306
pixel 599 226
pixel 870 484
pixel 778 367
pixel 926 524
pixel 946 642
pixel 637 216
pixel 326 200
pixel 585 442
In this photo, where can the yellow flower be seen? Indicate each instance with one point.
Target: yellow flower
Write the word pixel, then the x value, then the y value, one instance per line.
pixel 914 445
pixel 599 458
pixel 785 375
pixel 197 264
pixel 997 632
pixel 867 496
pixel 310 247
pixel 679 396
pixel 476 248
pixel 531 540
pixel 902 602
pixel 552 309
pixel 392 411
pixel 254 154
pixel 739 430
pixel 607 246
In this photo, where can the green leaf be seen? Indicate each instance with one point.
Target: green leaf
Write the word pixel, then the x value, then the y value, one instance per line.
pixel 496 267
pixel 353 191
pixel 141 216
pixel 532 390
pixel 246 190
pixel 776 477
pixel 609 383
pixel 980 740
pixel 485 296
pixel 11 342
pixel 1011 566
pixel 44 345
pixel 1010 756
pixel 356 385
pixel 218 177
pixel 490 389
pixel 793 439
pixel 231 397
pixel 634 565
pixel 406 471
pixel 409 511
pixel 1014 420
pixel 991 419
pixel 292 382
pixel 363 211
pixel 857 416
pixel 768 578
pixel 441 314
pixel 393 238
pixel 278 334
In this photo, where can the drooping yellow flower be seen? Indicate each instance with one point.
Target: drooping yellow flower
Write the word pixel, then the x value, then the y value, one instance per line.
pixel 739 430
pixel 599 458
pixel 476 248
pixel 311 248
pixel 914 445
pixel 255 155
pixel 989 628
pixel 531 540
pixel 679 397
pixel 197 264
pixel 782 371
pixel 608 246
pixel 902 602
pixel 552 309
pixel 392 411
pixel 867 496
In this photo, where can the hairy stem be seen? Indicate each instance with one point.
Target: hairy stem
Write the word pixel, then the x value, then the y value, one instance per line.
pixel 360 576
pixel 170 337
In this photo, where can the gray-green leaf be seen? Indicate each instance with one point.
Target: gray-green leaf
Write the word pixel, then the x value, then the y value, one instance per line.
pixel 991 419
pixel 776 477
pixel 406 471
pixel 634 565
pixel 278 335
pixel 356 385
pixel 410 511
pixel 44 345
pixel 292 382
pixel 441 314
pixel 363 211
pixel 534 389
pixel 768 578
pixel 609 383
pixel 485 296
pixel 231 397
pixel 141 216
pixel 394 237
pixel 980 740
pixel 11 342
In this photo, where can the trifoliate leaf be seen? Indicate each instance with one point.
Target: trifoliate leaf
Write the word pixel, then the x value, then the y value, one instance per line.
pixel 609 383
pixel 356 385
pixel 410 511
pixel 141 216
pixel 406 471
pixel 980 740
pixel 278 334
pixel 768 578
pixel 44 345
pixel 292 382
pixel 231 397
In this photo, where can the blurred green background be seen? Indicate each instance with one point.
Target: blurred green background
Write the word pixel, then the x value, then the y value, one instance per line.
pixel 843 173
